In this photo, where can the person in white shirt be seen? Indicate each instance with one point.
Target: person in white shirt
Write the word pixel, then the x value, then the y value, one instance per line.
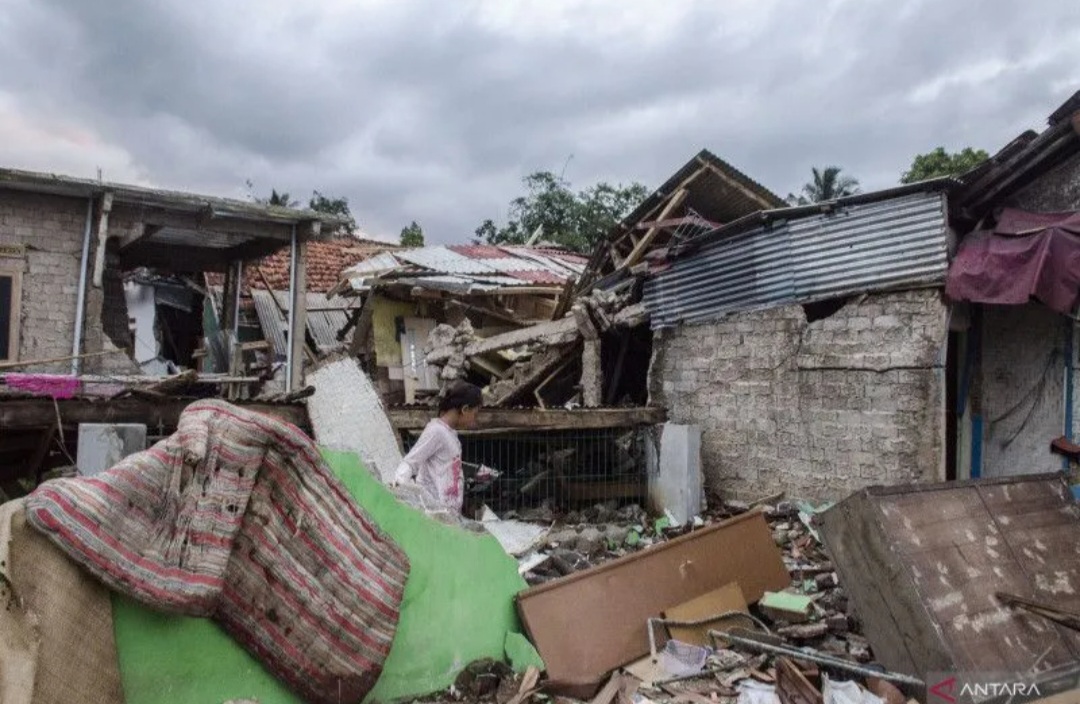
pixel 434 462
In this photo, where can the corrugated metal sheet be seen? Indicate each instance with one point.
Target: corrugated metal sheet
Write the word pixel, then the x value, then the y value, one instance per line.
pixel 865 247
pixel 323 324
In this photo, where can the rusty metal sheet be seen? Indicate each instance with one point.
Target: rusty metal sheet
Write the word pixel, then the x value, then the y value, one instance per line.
pixel 922 563
pixel 592 622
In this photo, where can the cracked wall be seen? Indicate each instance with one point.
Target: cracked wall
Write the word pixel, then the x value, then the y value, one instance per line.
pixel 51 228
pixel 814 409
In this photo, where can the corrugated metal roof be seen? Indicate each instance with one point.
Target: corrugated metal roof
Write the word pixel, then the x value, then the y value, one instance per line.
pixel 469 268
pixel 862 247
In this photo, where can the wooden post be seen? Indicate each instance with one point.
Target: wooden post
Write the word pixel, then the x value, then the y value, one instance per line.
pixel 230 298
pixel 298 308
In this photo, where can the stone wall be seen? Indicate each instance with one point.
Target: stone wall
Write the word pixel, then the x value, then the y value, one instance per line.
pixel 51 228
pixel 814 409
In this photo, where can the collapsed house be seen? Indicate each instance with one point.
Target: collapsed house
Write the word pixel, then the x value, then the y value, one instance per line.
pixel 66 245
pixel 482 290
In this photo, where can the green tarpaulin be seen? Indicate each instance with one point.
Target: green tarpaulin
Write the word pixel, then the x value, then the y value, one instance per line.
pixel 458 607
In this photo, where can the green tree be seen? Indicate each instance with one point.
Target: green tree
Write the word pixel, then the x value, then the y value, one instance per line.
pixel 333 206
pixel 941 163
pixel 576 221
pixel 825 184
pixel 412 236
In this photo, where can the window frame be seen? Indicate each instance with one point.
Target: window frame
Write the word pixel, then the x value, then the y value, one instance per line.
pixel 12 264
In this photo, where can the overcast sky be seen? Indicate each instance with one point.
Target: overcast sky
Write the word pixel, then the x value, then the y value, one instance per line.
pixel 434 110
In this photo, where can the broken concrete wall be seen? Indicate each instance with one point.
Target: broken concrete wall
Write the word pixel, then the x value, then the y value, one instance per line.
pixel 51 228
pixel 817 409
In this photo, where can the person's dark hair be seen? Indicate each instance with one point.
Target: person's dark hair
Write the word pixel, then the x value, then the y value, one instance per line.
pixel 461 395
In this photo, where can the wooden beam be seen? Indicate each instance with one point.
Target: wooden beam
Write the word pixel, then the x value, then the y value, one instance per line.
pixel 25 413
pixel 642 247
pixel 491 419
pixel 137 234
pixel 555 331
pixel 298 310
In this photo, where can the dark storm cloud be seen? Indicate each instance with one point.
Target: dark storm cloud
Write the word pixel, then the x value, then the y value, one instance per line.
pixel 434 111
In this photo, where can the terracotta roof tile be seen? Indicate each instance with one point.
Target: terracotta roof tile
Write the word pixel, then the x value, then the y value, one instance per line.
pixel 326 260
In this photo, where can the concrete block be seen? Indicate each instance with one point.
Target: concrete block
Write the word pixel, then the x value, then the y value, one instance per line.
pixel 103 445
pixel 676 484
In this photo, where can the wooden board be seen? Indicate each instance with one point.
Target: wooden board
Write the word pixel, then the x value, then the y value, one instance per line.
pixel 593 622
pixel 727 598
pixel 416 418
pixel 41 413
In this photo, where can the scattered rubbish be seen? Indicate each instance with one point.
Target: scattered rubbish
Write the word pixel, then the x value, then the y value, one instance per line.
pixel 774 646
pixel 793 686
pixel 682 659
pixel 719 601
pixel 754 692
pixel 785 606
pixel 850 692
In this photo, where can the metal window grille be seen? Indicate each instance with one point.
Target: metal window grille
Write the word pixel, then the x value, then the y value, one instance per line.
pixel 562 469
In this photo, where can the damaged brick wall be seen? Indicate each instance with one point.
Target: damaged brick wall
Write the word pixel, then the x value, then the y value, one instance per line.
pixel 51 228
pixel 816 409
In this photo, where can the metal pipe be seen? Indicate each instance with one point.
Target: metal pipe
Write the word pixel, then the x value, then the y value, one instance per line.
pixel 289 361
pixel 80 305
pixel 652 623
pixel 818 657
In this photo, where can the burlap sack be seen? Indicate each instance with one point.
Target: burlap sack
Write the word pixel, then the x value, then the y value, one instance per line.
pixel 56 630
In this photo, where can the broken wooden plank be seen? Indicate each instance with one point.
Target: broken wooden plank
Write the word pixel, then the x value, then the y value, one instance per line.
pixel 527 375
pixel 494 419
pixel 646 240
pixel 792 686
pixel 22 413
pixel 554 332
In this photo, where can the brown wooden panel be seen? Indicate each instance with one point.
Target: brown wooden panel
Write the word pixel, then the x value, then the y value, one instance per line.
pixel 590 623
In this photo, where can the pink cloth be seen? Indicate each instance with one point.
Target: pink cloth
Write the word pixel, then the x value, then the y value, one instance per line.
pixel 54 385
pixel 1028 255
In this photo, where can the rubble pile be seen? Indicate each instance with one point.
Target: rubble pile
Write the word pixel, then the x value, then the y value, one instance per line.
pixel 513 367
pixel 812 615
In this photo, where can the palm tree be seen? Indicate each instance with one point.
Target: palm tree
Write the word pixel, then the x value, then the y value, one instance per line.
pixel 827 184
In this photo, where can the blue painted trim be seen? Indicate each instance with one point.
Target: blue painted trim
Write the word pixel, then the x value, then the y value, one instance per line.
pixel 1069 374
pixel 976 445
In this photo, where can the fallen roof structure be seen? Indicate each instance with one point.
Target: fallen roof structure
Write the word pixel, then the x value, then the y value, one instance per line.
pixel 922 563
pixel 702 195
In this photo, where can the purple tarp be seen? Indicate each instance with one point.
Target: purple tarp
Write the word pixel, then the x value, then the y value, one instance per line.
pixel 1027 255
